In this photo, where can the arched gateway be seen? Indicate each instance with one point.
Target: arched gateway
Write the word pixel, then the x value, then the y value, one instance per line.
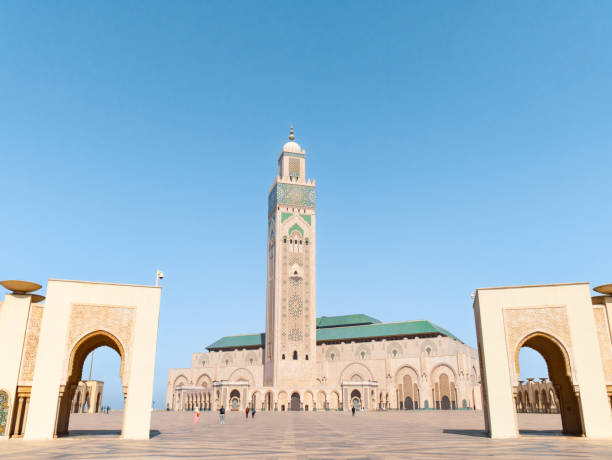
pixel 295 401
pixel 570 330
pixel 56 337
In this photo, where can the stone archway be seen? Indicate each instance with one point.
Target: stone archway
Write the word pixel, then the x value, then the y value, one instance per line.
pixel 79 317
pixel 269 401
pixel 80 351
pixel 560 375
pixel 356 399
pixel 295 401
pixel 558 321
pixel 234 400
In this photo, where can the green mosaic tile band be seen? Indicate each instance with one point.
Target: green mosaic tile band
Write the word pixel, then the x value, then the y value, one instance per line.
pixel 295 227
pixel 292 195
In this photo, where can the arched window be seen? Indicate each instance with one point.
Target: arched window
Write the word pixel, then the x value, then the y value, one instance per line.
pixel 395 353
pixel 251 361
pixel 283 357
pixel 332 356
pixel 295 241
pixel 363 355
pixel 306 357
pixel 294 354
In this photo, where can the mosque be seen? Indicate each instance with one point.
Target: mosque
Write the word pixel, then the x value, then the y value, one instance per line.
pixel 305 362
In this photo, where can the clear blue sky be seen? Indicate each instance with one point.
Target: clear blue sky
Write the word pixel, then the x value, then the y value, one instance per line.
pixel 455 145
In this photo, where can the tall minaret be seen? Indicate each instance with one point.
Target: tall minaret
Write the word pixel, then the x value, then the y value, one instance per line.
pixel 290 347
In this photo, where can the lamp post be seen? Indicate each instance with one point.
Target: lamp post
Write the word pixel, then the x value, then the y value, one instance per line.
pixel 158 276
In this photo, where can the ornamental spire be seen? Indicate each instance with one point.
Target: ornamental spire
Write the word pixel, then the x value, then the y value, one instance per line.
pixel 291 136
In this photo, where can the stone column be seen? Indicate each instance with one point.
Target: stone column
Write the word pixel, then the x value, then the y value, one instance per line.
pixel 18 416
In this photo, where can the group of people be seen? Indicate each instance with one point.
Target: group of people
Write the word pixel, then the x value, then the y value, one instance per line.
pixel 196 415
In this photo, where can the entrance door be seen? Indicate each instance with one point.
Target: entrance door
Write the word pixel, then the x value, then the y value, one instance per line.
pixel 408 404
pixel 445 403
pixel 235 400
pixel 295 401
pixel 356 399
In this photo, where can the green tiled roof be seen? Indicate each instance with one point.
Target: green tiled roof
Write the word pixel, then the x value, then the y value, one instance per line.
pixel 239 341
pixel 372 329
pixel 345 320
pixel 405 328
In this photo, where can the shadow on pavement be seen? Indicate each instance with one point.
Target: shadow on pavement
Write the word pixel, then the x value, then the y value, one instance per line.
pixel 80 433
pixel 483 434
pixel 475 433
pixel 110 433
pixel 541 433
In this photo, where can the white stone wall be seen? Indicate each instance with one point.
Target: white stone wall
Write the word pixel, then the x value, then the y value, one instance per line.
pixel 379 367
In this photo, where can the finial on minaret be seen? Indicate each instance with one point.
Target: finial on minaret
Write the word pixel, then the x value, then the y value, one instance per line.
pixel 291 136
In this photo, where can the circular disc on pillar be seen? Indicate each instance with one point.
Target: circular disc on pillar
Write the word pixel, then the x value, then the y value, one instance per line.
pixel 604 289
pixel 18 286
pixel 37 298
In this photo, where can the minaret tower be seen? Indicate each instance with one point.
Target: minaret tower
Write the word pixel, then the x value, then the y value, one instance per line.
pixel 290 346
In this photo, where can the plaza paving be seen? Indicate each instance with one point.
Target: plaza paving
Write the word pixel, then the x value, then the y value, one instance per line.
pixel 316 435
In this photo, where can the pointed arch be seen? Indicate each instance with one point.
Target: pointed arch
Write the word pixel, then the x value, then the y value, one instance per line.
pixel 295 227
pixel 535 335
pixel 407 368
pixel 352 368
pixel 242 374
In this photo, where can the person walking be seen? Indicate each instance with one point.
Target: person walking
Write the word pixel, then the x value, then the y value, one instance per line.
pixel 247 412
pixel 353 411
pixel 196 416
pixel 253 413
pixel 222 415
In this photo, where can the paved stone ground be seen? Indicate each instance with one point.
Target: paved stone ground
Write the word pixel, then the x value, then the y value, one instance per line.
pixel 311 435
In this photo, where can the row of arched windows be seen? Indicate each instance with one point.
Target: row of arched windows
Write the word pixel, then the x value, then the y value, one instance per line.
pixel 295 356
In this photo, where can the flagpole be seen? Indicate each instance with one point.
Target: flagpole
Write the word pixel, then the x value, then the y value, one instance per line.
pixel 91 364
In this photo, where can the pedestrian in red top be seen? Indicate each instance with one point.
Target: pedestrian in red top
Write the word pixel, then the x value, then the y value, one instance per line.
pixel 247 412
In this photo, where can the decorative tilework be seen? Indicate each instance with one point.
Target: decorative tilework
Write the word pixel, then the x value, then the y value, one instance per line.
pixel 306 218
pixel 31 345
pixel 296 258
pixel 292 195
pixel 295 227
pixel 295 306
pixel 294 167
pixel 272 199
pixel 285 216
pixel 4 408
pixel 295 335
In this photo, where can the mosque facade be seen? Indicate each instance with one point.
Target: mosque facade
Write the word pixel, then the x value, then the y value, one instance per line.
pixel 305 362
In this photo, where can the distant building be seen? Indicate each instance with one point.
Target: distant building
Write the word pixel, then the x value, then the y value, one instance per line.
pixel 307 363
pixel 87 397
pixel 536 397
